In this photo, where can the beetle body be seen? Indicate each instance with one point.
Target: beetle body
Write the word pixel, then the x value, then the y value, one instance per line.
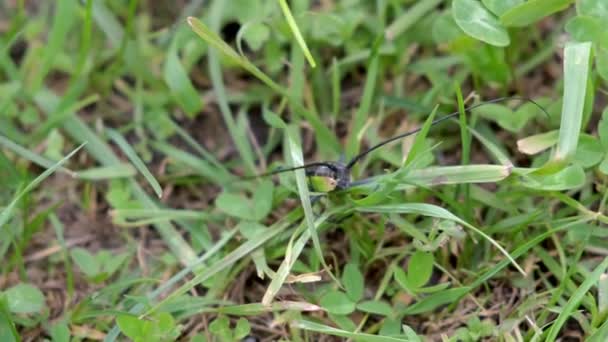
pixel 329 177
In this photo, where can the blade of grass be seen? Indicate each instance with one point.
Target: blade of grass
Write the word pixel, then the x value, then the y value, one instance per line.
pixel 576 72
pixel 215 71
pixel 411 16
pixel 362 112
pixel 31 156
pixel 324 135
pixel 325 329
pixel 295 154
pixel 196 264
pixel 465 138
pixel 63 19
pixel 575 300
pixel 6 213
pixel 418 147
pixel 135 160
pixel 435 211
pixel 99 150
pixel 222 265
pixel 293 26
pixel 107 172
pixel 292 254
pixel 69 274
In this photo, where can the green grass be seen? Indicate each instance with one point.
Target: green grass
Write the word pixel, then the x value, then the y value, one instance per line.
pixel 126 128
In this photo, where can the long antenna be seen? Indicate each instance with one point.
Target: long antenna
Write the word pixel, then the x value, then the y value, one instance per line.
pixel 281 170
pixel 358 157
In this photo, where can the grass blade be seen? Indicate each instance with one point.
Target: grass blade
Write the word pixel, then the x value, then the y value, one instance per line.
pixel 576 73
pixel 435 211
pixel 357 336
pixel 296 32
pixel 323 133
pixel 6 213
pixel 31 156
pixel 576 298
pixel 137 162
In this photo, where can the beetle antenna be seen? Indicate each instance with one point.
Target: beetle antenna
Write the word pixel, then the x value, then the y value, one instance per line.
pixel 358 157
pixel 281 170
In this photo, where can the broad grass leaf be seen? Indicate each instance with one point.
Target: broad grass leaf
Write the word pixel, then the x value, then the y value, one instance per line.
pixel 576 73
pixel 25 298
pixel 474 19
pixel 537 143
pixel 337 303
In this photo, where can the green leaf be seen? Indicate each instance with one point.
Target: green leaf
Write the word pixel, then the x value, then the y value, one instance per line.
pixel 179 84
pixel 576 71
pixel 601 61
pixel 25 298
pixel 602 129
pixel 60 332
pixel 137 162
pixel 273 119
pixel 401 279
pixel 571 177
pixel 131 326
pixel 377 307
pixel 589 151
pixel 585 28
pixel 598 8
pixel 498 7
pixel 8 332
pixel 537 143
pixel 445 29
pixel 337 303
pixel 242 328
pixel 353 282
pixel 532 11
pixel 255 34
pixel 250 230
pixel 573 302
pixel 505 117
pixel 262 199
pixel 87 263
pixel 221 328
pixel 604 165
pixel 420 268
pixel 479 23
pixel 435 300
pixel 357 336
pixel 253 209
